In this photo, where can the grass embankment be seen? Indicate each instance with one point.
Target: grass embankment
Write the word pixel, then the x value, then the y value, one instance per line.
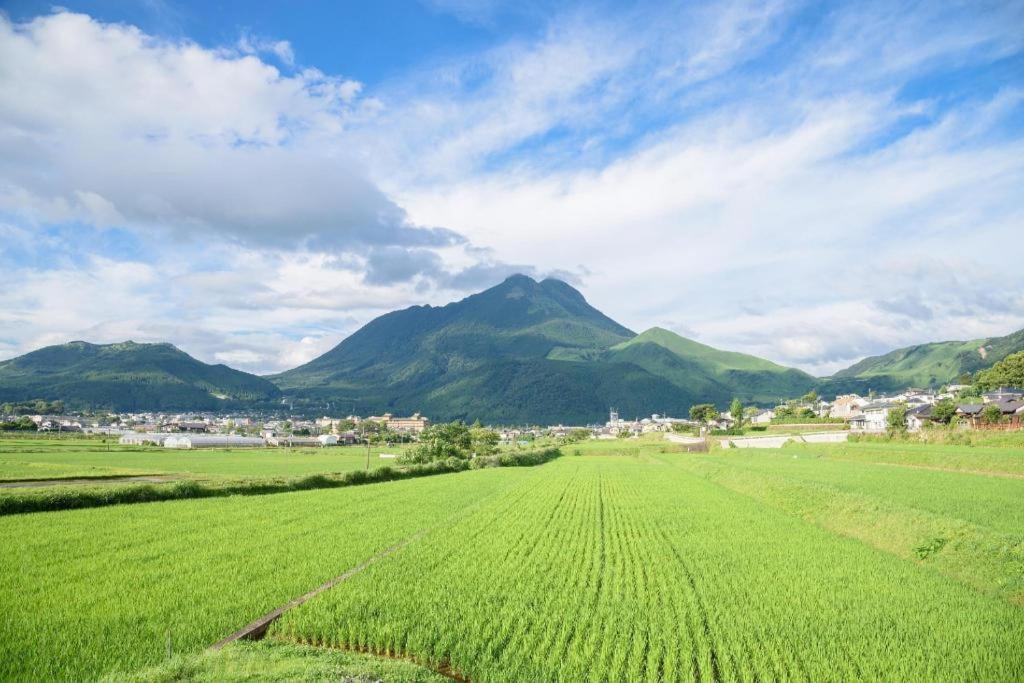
pixel 949 437
pixel 70 497
pixel 1006 461
pixel 961 525
pixel 263 661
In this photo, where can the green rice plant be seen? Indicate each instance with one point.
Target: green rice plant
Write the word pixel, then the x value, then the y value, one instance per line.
pixel 621 569
pixel 91 592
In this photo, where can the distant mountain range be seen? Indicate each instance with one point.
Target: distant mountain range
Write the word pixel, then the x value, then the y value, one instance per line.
pixel 128 376
pixel 924 365
pixel 520 352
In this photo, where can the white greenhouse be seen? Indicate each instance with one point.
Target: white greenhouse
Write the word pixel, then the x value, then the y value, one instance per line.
pixel 213 441
pixel 144 438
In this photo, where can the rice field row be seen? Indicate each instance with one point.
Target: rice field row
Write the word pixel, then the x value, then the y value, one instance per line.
pixel 617 569
pixel 89 592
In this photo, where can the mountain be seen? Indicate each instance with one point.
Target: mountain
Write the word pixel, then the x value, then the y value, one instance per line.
pixel 924 365
pixel 526 351
pixel 127 376
pixel 718 375
pixel 520 352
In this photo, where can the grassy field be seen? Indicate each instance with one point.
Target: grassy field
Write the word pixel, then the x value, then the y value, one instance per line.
pixel 623 560
pixel 85 458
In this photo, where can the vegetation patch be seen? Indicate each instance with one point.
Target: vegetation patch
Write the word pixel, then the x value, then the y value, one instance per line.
pixel 930 547
pixel 276 661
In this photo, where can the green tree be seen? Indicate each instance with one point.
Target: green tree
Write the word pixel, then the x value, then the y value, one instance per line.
pixel 1008 372
pixel 991 414
pixel 483 441
pixel 577 435
pixel 897 418
pixel 736 411
pixel 944 410
pixel 703 412
pixel 440 442
pixel 810 397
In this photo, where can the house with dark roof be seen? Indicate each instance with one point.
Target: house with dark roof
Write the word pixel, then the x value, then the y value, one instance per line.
pixel 1003 394
pixel 1010 409
pixel 918 417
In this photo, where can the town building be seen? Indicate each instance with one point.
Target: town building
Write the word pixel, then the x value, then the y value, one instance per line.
pixel 414 424
pixel 847 406
pixel 876 416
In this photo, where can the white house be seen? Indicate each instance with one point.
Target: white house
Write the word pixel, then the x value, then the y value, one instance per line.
pixel 876 416
pixel 327 440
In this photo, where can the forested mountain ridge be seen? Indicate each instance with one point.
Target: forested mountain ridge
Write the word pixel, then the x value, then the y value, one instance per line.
pixel 127 376
pixel 924 365
pixel 719 375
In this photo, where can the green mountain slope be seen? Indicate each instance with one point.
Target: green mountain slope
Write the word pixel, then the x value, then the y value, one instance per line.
pixel 718 375
pixel 127 376
pixel 527 351
pixel 924 365
pixel 484 357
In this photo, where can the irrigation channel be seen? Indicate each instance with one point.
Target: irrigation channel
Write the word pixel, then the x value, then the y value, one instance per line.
pixel 257 629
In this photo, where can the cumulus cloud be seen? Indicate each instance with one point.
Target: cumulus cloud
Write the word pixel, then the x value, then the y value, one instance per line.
pixel 168 136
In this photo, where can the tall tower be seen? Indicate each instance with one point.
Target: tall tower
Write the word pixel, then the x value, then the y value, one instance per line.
pixel 613 416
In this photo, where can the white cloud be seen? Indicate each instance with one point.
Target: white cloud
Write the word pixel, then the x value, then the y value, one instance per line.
pixel 105 124
pixel 254 45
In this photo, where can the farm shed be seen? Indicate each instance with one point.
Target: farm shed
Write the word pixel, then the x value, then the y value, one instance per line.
pixel 327 440
pixel 213 441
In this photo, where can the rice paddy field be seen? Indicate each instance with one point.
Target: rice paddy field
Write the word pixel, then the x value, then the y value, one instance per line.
pixel 620 561
pixel 38 458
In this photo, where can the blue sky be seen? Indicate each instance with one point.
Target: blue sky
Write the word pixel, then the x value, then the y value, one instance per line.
pixel 809 182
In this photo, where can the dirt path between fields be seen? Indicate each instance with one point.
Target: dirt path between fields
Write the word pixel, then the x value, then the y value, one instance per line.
pixel 258 628
pixel 443 669
pixel 128 479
